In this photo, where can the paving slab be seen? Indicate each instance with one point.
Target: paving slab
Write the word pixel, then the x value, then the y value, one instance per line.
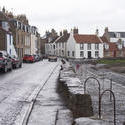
pixel 48 103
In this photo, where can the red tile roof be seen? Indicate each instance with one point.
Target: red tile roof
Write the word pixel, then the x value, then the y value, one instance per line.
pixel 87 38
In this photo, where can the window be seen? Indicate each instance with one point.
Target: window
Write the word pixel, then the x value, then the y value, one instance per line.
pixel 54 47
pixel 118 35
pixel 59 52
pixel 59 44
pixel 62 45
pixel 68 53
pixel 10 52
pixel 97 46
pixel 81 46
pixel 96 54
pixel 81 53
pixel 89 46
pixel 10 39
pixel 73 53
pixel 120 53
pixel 62 53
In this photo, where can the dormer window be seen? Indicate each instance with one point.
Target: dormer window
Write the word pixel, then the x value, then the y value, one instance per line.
pixel 120 46
pixel 106 46
pixel 118 35
pixel 5 25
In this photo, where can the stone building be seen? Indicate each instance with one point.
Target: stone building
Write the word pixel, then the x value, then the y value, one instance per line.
pixel 6 36
pixel 115 42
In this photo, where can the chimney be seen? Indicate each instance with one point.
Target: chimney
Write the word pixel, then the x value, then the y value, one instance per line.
pixel 3 10
pixel 97 32
pixel 75 30
pixel 65 32
pixel 106 30
pixel 60 33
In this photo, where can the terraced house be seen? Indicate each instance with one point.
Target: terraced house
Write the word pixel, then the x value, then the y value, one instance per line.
pixel 6 36
pixel 84 46
pixel 75 45
pixel 26 38
pixel 114 43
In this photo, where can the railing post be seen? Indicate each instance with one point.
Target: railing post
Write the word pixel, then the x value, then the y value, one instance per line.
pixel 110 89
pixel 99 86
pixel 114 100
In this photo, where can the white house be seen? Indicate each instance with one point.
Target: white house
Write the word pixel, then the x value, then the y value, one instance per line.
pixel 74 45
pixel 84 46
pixel 61 44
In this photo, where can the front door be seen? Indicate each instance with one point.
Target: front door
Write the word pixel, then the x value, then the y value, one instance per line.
pixel 114 54
pixel 89 55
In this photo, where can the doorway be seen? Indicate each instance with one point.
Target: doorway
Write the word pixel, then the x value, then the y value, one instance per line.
pixel 89 55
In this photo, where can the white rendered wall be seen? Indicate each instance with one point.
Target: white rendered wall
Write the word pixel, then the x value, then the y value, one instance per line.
pixel 10 46
pixel 116 39
pixel 71 46
pixel 85 50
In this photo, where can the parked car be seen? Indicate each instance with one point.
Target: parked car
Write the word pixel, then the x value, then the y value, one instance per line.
pixel 16 62
pixel 45 56
pixel 37 57
pixel 5 62
pixel 52 58
pixel 29 58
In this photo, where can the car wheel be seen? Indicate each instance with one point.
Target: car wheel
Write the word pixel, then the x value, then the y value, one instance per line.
pixel 20 65
pixel 11 68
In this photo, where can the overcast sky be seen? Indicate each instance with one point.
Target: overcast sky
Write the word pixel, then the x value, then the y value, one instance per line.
pixel 87 15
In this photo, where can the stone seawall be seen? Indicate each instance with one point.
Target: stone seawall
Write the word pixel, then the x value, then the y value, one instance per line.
pixel 71 90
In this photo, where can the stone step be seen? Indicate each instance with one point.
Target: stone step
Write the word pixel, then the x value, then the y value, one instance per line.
pixel 64 117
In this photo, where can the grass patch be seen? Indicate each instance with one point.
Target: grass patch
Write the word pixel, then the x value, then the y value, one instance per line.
pixel 111 61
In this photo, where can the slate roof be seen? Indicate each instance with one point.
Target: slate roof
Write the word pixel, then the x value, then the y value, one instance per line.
pixel 63 38
pixel 113 34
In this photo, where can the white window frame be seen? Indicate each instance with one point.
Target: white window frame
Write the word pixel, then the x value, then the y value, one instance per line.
pixel 89 46
pixel 82 54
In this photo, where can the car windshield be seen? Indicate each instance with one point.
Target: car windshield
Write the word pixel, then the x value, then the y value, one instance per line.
pixel 27 55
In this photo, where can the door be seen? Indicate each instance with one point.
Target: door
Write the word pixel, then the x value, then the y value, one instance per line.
pixel 89 55
pixel 114 55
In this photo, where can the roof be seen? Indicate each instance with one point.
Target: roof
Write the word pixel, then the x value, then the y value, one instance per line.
pixel 63 38
pixel 112 46
pixel 87 38
pixel 113 34
pixel 104 39
pixel 53 39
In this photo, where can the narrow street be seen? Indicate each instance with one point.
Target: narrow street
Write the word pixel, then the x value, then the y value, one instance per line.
pixel 17 86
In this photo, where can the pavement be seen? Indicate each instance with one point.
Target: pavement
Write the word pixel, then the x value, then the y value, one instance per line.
pixel 48 108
